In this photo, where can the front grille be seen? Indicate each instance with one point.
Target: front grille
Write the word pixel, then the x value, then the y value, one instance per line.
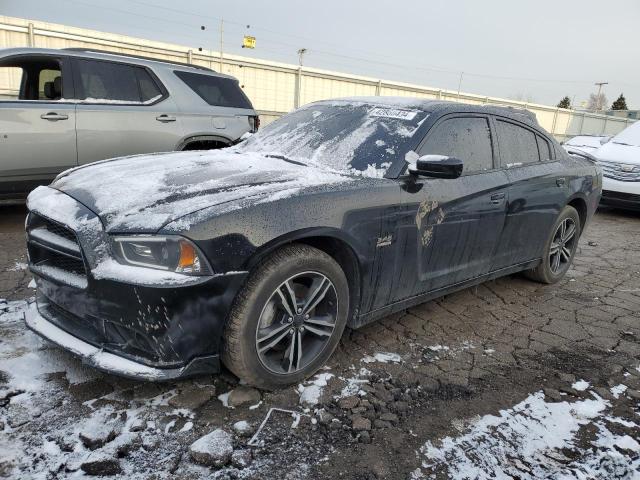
pixel 617 171
pixel 54 251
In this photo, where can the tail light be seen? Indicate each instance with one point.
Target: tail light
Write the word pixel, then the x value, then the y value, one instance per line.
pixel 254 123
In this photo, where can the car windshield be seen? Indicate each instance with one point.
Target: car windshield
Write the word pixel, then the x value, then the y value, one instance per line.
pixel 354 137
pixel 629 136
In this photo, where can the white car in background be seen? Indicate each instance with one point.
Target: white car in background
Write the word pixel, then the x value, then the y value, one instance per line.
pixel 620 162
pixel 586 143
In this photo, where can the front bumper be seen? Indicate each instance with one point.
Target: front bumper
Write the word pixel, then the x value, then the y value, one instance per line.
pixel 620 194
pixel 97 357
pixel 141 332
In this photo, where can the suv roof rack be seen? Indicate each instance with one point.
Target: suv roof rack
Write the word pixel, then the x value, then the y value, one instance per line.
pixel 141 57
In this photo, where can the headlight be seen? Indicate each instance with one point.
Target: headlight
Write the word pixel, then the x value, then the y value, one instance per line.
pixel 174 254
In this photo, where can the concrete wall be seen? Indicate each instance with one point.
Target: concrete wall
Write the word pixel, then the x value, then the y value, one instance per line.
pixel 276 88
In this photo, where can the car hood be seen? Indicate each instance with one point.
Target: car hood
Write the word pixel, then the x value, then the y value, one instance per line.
pixel 616 152
pixel 143 193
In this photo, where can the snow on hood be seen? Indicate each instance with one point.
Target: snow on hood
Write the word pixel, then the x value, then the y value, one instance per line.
pixel 145 192
pixel 615 152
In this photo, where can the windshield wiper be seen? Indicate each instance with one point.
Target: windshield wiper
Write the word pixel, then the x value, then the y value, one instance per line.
pixel 282 157
pixel 622 143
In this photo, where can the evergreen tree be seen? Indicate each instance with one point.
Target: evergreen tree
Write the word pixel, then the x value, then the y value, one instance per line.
pixel 565 103
pixel 620 103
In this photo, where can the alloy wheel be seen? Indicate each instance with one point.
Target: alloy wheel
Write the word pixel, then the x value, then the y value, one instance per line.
pixel 562 246
pixel 296 322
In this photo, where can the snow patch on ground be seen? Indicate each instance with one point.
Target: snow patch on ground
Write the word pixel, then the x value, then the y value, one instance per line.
pixel 18 266
pixel 529 441
pixel 354 384
pixel 618 390
pixel 580 385
pixel 383 357
pixel 311 391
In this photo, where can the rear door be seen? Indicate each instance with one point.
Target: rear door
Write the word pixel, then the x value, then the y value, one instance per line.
pixel 537 192
pixel 458 221
pixel 37 125
pixel 122 109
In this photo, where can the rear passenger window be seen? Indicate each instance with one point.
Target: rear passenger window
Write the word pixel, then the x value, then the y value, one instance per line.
pixel 218 91
pixel 149 90
pixel 543 149
pixel 109 82
pixel 465 138
pixel 518 145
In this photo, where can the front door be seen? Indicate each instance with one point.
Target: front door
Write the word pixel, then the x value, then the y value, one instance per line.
pixel 458 222
pixel 37 127
pixel 122 110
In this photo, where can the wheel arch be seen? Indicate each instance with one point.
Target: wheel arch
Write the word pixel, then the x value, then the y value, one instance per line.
pixel 335 244
pixel 580 204
pixel 194 139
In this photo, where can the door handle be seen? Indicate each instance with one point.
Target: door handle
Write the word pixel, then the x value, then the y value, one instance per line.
pixel 165 118
pixel 497 198
pixel 560 182
pixel 54 117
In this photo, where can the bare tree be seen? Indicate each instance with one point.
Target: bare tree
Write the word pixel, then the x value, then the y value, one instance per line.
pixel 596 102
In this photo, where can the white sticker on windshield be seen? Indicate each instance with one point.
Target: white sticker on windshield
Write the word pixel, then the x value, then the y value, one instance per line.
pixel 393 113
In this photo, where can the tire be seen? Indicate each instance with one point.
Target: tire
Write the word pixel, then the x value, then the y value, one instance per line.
pixel 264 306
pixel 554 266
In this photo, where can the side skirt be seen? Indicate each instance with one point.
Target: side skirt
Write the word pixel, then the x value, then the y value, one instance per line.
pixel 374 315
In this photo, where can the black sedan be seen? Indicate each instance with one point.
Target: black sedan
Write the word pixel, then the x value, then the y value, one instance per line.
pixel 258 256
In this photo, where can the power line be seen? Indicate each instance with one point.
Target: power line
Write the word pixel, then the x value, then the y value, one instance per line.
pixel 237 24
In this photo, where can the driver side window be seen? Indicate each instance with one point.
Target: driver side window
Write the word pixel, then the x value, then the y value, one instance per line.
pixel 465 138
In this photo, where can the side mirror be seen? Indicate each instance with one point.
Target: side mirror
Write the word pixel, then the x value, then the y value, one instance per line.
pixel 437 166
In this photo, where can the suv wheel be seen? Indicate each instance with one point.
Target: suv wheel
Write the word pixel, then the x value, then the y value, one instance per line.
pixel 559 249
pixel 287 321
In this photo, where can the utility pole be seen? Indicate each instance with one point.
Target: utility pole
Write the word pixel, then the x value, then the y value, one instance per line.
pixel 460 84
pixel 600 84
pixel 301 53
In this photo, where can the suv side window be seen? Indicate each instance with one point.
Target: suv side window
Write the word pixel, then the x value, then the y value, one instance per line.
pixel 101 81
pixel 216 91
pixel 517 144
pixel 31 78
pixel 466 138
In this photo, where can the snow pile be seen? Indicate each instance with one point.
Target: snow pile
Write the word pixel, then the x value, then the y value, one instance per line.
pixel 311 391
pixel 530 441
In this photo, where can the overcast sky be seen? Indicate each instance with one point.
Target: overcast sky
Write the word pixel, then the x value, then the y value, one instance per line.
pixel 536 50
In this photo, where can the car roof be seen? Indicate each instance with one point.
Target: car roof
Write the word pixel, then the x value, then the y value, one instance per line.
pixel 117 56
pixel 438 106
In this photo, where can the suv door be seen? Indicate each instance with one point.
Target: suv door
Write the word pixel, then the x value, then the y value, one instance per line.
pixel 37 127
pixel 122 109
pixel 537 192
pixel 459 221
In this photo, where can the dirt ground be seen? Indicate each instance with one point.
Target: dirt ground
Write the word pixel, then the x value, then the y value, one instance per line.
pixel 510 379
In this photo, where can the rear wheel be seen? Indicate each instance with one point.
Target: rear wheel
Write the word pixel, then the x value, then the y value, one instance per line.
pixel 288 319
pixel 559 249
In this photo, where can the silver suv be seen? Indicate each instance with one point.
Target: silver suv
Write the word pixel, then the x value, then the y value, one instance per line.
pixel 63 108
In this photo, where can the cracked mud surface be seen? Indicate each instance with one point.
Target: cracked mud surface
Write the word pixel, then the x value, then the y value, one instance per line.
pixel 450 364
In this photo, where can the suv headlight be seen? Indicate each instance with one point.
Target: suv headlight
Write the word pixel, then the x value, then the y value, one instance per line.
pixel 174 254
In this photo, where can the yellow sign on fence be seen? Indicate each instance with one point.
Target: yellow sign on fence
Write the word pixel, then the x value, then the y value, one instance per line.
pixel 248 42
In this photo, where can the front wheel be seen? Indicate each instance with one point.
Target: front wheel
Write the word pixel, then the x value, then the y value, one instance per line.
pixel 288 319
pixel 560 248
